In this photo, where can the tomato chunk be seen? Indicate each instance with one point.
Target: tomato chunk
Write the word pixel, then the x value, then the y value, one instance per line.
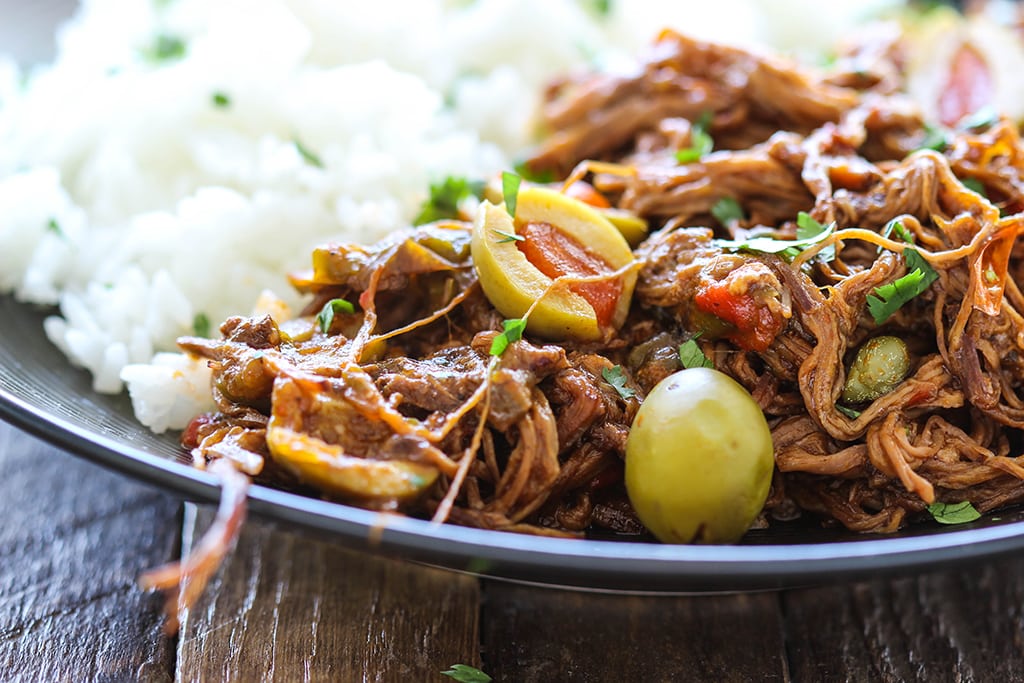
pixel 969 87
pixel 756 326
pixel 555 254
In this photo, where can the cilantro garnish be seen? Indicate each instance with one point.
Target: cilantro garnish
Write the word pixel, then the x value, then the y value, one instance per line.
pixel 617 378
pixel 953 513
pixel 848 412
pixel 326 315
pixel 691 356
pixel 53 226
pixel 888 299
pixel 466 674
pixel 445 198
pixel 201 325
pixel 808 228
pixel 935 138
pixel 984 118
pixel 307 154
pixel 895 226
pixel 510 191
pixel 726 210
pixel 165 48
pixel 975 185
pixel 221 100
pixel 523 170
pixel 770 245
pixel 513 332
pixel 701 142
pixel 508 236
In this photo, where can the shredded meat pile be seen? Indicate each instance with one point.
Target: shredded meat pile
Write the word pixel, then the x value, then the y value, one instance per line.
pixel 399 404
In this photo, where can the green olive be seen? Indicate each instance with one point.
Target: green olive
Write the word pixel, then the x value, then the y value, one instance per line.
pixel 699 459
pixel 880 365
pixel 513 284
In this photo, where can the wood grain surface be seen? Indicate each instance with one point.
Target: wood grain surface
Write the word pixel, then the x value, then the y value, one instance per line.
pixel 287 606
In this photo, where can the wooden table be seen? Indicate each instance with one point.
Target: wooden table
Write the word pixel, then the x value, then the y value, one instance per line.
pixel 288 607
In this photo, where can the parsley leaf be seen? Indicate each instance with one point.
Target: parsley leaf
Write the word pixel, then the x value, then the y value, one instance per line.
pixel 513 333
pixel 508 236
pixel 445 198
pixel 510 191
pixel 935 138
pixel 165 48
pixel 701 142
pixel 221 100
pixel 953 513
pixel 201 325
pixel 770 245
pixel 888 299
pixel 808 228
pixel 896 226
pixel 691 356
pixel 53 226
pixel 975 185
pixel 522 168
pixel 984 118
pixel 326 315
pixel 726 210
pixel 308 155
pixel 602 8
pixel 466 674
pixel 617 378
pixel 848 412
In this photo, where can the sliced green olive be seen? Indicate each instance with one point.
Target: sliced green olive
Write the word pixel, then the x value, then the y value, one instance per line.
pixel 326 466
pixel 699 459
pixel 879 367
pixel 512 283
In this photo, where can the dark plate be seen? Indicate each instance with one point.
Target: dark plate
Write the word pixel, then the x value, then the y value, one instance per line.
pixel 40 393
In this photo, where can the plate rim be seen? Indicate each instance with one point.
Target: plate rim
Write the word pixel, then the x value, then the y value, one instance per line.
pixel 583 563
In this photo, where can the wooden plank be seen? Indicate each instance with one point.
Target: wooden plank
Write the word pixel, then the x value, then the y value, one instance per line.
pixel 73 540
pixel 534 634
pixel 945 626
pixel 289 607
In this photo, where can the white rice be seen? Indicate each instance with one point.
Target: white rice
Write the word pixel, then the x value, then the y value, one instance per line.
pixel 134 202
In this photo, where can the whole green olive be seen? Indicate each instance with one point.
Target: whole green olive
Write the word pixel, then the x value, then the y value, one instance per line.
pixel 699 459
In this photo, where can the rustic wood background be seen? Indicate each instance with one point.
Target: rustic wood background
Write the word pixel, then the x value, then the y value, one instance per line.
pixel 288 607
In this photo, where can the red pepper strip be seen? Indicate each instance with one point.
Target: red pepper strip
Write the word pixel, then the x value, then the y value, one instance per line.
pixel 989 268
pixel 756 326
pixel 969 88
pixel 586 193
pixel 555 254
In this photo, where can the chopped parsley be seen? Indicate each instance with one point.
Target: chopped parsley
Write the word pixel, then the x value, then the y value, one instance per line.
pixel 953 513
pixel 326 315
pixel 221 100
pixel 466 674
pixel 166 48
pixel 691 356
pixel 523 170
pixel 770 245
pixel 445 198
pixel 935 138
pixel 848 412
pixel 617 378
pixel 308 155
pixel 984 118
pixel 513 332
pixel 53 226
pixel 510 191
pixel 201 325
pixel 896 227
pixel 807 228
pixel 975 185
pixel 508 236
pixel 726 210
pixel 701 142
pixel 888 299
